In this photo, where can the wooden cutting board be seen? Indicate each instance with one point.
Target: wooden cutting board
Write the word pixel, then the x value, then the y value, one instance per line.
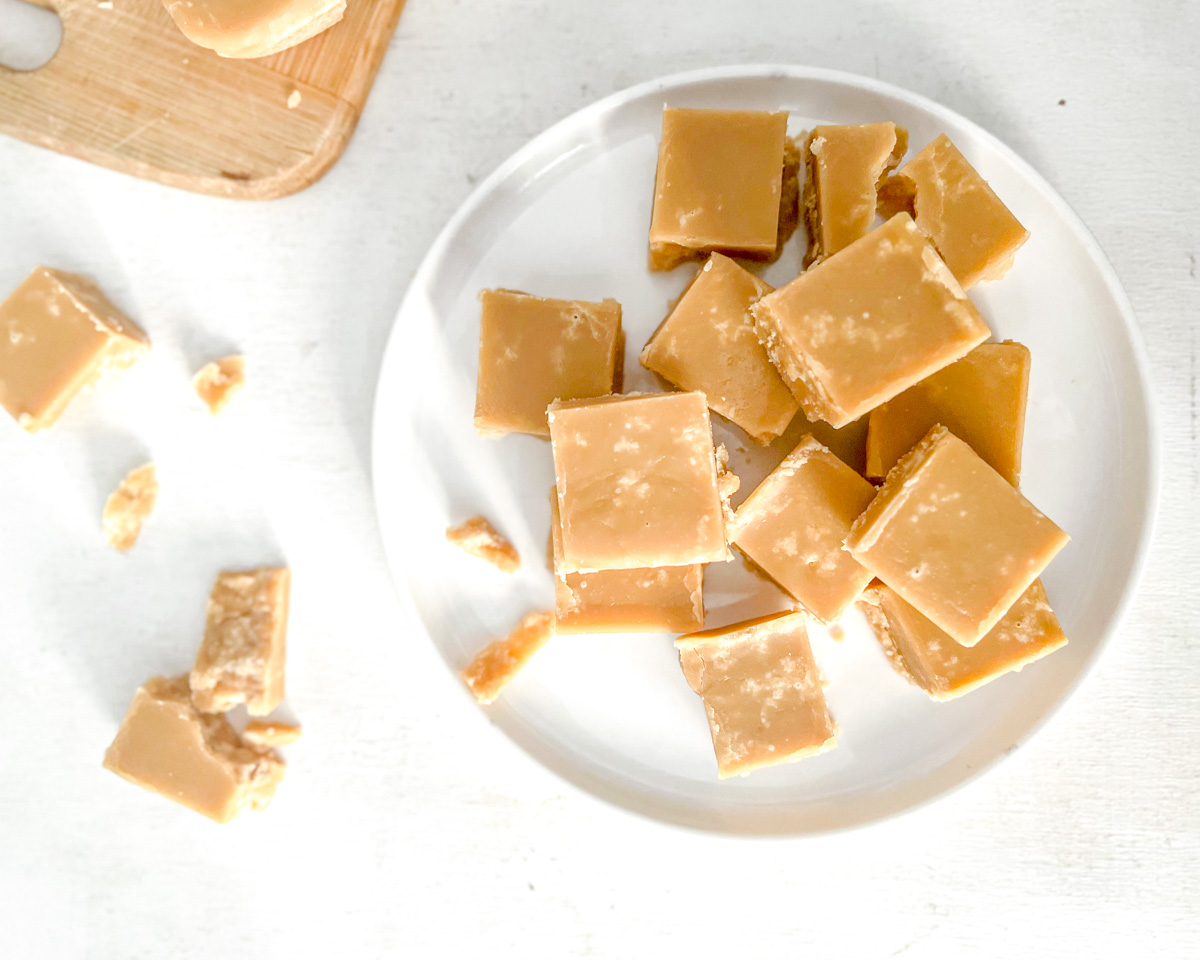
pixel 127 90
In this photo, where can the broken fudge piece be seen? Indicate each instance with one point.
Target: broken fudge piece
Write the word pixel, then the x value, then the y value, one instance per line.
pixel 708 343
pixel 844 165
pixel 973 230
pixel 270 733
pixel 218 382
pixel 496 664
pixel 533 350
pixel 929 657
pixel 197 759
pixel 59 335
pixel 244 651
pixel 953 538
pixel 638 482
pixel 761 690
pixel 720 186
pixel 794 523
pixel 479 538
pixel 867 323
pixel 980 399
pixel 129 506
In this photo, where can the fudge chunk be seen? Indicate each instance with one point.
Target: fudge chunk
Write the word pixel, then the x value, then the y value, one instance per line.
pixel 218 382
pixel 129 507
pixel 761 690
pixel 479 538
pixel 495 666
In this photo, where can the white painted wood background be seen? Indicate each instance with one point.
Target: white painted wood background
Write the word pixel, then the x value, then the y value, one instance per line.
pixel 406 828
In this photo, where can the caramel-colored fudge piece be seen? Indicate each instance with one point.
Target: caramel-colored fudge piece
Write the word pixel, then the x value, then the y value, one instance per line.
pixel 708 343
pixel 129 507
pixel 533 350
pixel 496 664
pixel 794 523
pixel 479 538
pixel 973 230
pixel 869 322
pixel 638 482
pixel 844 165
pixel 270 733
pixel 197 759
pixel 719 185
pixel 980 399
pixel 660 599
pixel 953 537
pixel 59 335
pixel 930 658
pixel 244 651
pixel 762 692
pixel 218 382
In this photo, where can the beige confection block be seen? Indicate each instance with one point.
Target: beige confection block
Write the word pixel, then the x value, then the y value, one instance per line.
pixel 496 664
pixel 953 537
pixel 762 692
pixel 129 506
pixel 867 323
pixel 794 523
pixel 244 651
pixel 270 733
pixel 844 165
pixel 534 350
pixel 479 538
pixel 708 343
pixel 245 29
pixel 59 335
pixel 973 230
pixel 638 482
pixel 980 399
pixel 218 382
pixel 197 759
pixel 720 186
pixel 659 599
pixel 931 659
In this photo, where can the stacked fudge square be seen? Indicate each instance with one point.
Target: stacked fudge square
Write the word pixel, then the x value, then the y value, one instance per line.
pixel 924 527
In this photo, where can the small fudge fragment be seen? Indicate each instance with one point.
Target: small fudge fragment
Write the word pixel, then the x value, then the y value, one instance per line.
pixel 973 230
pixel 844 165
pixel 708 343
pixel 479 538
pixel 270 733
pixel 931 659
pixel 638 482
pixel 867 323
pixel 659 599
pixel 761 690
pixel 244 651
pixel 794 523
pixel 533 350
pixel 253 28
pixel 218 382
pixel 719 185
pixel 197 759
pixel 980 399
pixel 129 506
pixel 59 335
pixel 496 664
pixel 953 537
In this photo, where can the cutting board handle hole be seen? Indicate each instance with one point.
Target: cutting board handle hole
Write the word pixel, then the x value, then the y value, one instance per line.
pixel 29 35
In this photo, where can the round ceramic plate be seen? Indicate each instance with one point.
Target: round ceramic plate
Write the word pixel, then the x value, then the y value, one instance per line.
pixel 567 216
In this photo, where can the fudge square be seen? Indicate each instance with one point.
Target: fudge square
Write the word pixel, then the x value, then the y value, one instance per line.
pixel 929 657
pixel 953 538
pixel 973 230
pixel 707 343
pixel 59 335
pixel 719 185
pixel 980 399
pixel 533 350
pixel 794 523
pixel 844 165
pixel 869 322
pixel 762 692
pixel 638 482
pixel 659 599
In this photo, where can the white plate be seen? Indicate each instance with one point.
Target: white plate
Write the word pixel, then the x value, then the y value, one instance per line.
pixel 567 216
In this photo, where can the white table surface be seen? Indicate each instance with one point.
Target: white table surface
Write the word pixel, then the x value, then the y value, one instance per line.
pixel 406 826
